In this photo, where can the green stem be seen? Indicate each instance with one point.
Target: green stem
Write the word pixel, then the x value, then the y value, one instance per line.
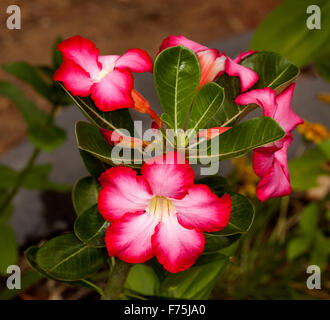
pixel 21 176
pixel 279 232
pixel 116 280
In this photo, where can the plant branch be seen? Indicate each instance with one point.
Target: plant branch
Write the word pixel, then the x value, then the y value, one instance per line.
pixel 116 280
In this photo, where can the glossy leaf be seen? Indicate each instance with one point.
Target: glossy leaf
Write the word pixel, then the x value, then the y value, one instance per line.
pixel 274 71
pixel 207 103
pixel 243 138
pixel 8 248
pixel 119 119
pixel 90 227
pixel 91 140
pixel 176 77
pixel 291 37
pixel 84 194
pixel 93 165
pixel 66 258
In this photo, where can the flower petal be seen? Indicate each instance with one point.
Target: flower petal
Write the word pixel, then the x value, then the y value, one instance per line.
pixel 176 247
pixel 243 55
pixel 203 210
pixel 136 60
pixel 122 191
pixel 265 98
pixel 130 238
pixel 75 78
pixel 274 184
pixel 212 63
pixel 169 175
pixel 114 91
pixel 247 76
pixel 108 62
pixel 83 52
pixel 284 113
pixel 173 41
pixel 262 161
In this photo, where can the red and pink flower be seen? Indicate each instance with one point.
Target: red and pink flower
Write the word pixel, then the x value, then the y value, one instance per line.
pixel 213 63
pixel 108 79
pixel 160 213
pixel 270 162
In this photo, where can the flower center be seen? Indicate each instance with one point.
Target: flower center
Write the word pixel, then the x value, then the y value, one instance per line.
pixel 161 208
pixel 103 73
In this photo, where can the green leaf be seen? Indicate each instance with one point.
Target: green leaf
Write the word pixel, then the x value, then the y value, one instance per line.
pixel 217 184
pixel 214 242
pixel 42 134
pixel 30 75
pixel 176 76
pixel 90 227
pixel 90 139
pixel 274 71
pixel 305 170
pixel 320 251
pixel 322 65
pixel 119 119
pixel 195 283
pixel 143 280
pixel 93 165
pixel 207 103
pixel 68 259
pixel 8 247
pixel 8 177
pixel 297 247
pixel 84 194
pixel 243 138
pixel 309 219
pixel 291 37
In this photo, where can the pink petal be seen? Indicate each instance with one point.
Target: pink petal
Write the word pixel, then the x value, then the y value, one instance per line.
pixel 173 41
pixel 114 137
pixel 247 76
pixel 212 132
pixel 122 191
pixel 176 247
pixel 136 60
pixel 262 161
pixel 108 62
pixel 274 184
pixel 284 113
pixel 202 210
pixel 130 238
pixel 169 175
pixel 212 63
pixel 243 55
pixel 114 91
pixel 281 154
pixel 265 98
pixel 83 52
pixel 75 78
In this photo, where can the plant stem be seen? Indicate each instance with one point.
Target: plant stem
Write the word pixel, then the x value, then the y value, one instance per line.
pixel 116 280
pixel 21 176
pixel 279 232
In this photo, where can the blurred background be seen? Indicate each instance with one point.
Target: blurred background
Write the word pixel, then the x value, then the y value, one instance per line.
pixel 272 258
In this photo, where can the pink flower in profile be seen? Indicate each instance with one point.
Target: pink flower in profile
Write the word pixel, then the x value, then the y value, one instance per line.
pixel 270 161
pixel 213 63
pixel 159 213
pixel 108 79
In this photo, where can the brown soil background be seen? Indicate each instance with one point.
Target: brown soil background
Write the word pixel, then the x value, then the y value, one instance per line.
pixel 115 26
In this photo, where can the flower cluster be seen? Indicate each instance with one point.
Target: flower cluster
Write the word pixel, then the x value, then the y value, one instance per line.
pixel 161 212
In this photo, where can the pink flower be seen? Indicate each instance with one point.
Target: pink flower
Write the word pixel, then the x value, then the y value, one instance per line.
pixel 159 213
pixel 108 79
pixel 270 162
pixel 213 63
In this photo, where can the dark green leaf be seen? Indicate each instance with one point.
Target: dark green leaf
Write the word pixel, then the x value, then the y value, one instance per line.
pixel 207 103
pixel 84 194
pixel 309 219
pixel 242 138
pixel 91 140
pixel 93 165
pixel 8 177
pixel 90 227
pixel 176 77
pixel 297 247
pixel 8 247
pixel 57 56
pixel 68 259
